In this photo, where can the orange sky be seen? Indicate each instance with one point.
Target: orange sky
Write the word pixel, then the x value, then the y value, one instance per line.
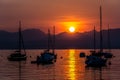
pixel 43 14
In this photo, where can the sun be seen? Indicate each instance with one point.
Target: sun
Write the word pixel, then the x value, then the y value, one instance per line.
pixel 72 29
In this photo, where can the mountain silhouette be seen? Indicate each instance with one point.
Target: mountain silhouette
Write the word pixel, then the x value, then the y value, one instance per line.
pixel 36 39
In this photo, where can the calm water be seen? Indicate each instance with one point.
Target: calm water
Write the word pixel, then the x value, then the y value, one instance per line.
pixel 70 67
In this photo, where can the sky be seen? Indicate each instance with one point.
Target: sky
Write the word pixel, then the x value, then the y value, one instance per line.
pixel 43 14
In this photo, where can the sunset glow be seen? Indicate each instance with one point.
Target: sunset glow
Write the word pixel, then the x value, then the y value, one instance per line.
pixel 39 14
pixel 72 29
pixel 60 39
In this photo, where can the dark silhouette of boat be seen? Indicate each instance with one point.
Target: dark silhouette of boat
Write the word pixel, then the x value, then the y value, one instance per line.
pixel 95 59
pixel 17 55
pixel 104 54
pixel 108 54
pixel 47 57
pixel 82 54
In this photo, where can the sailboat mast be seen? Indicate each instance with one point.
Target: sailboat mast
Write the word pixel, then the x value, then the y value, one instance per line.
pixel 20 37
pixel 53 39
pixel 94 39
pixel 101 38
pixel 109 46
pixel 48 39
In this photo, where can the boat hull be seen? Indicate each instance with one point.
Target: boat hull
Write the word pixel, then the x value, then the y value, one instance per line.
pixel 45 58
pixel 93 61
pixel 17 57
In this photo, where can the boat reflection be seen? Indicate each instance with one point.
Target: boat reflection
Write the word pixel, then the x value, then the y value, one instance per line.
pixel 95 73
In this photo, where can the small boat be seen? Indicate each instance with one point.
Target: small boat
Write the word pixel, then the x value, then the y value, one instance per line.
pixel 47 57
pixel 94 61
pixel 17 56
pixel 82 54
pixel 108 55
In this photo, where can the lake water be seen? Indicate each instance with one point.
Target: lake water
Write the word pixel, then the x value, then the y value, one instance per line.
pixel 69 67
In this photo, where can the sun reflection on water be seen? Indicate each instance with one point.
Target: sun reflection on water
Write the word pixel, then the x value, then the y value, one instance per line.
pixel 72 65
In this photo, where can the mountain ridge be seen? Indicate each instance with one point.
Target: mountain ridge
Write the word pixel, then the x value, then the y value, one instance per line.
pixel 36 39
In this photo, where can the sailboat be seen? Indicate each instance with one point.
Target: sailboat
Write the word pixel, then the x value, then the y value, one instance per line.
pixel 93 52
pixel 47 57
pixel 95 59
pixel 17 55
pixel 108 54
